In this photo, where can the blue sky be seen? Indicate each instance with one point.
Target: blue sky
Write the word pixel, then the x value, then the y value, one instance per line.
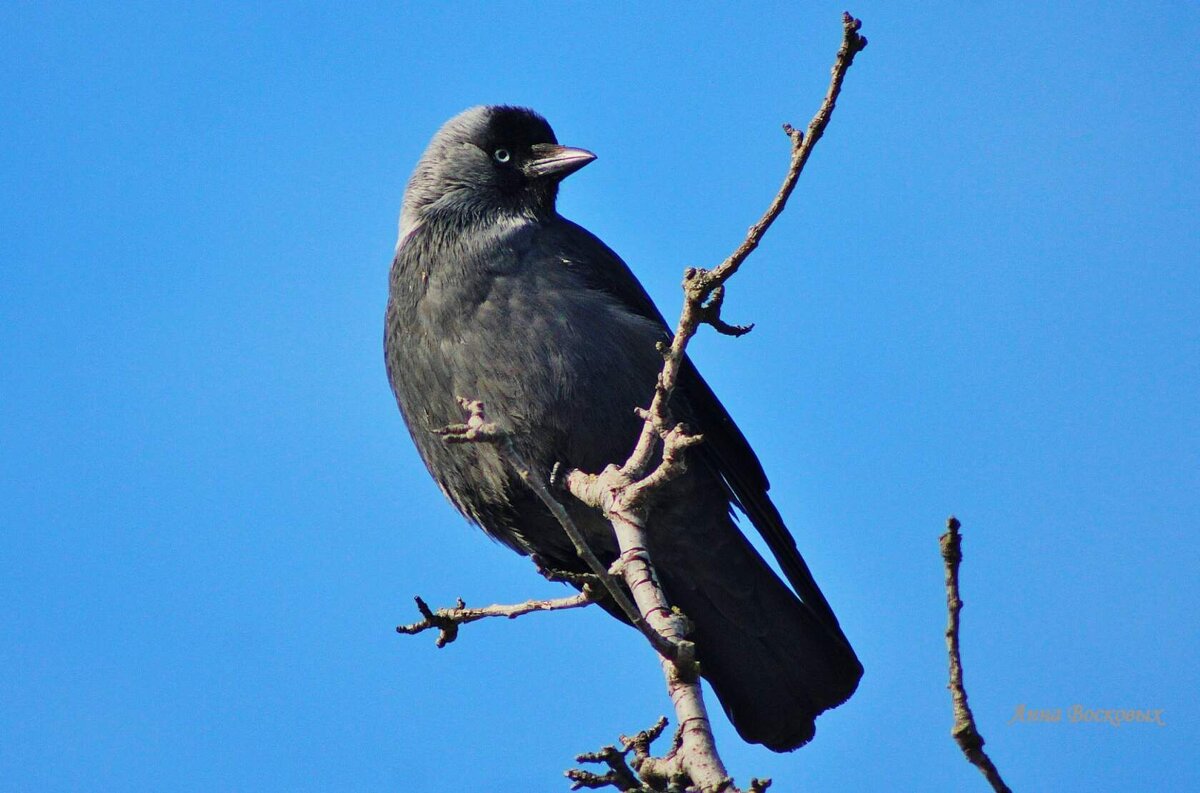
pixel 982 300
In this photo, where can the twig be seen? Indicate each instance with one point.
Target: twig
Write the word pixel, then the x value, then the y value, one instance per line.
pixel 703 289
pixel 447 620
pixel 965 733
pixel 619 774
pixel 652 773
pixel 802 146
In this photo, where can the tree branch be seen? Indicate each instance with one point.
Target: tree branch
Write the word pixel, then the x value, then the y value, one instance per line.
pixel 703 289
pixel 802 146
pixel 447 620
pixel 619 774
pixel 964 731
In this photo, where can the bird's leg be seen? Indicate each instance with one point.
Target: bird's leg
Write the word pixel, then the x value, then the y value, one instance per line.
pixel 478 429
pixel 566 576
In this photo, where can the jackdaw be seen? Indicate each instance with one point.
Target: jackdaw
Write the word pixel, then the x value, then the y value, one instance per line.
pixel 496 297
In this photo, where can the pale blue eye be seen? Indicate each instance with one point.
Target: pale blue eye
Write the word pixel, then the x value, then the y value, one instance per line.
pixel 502 155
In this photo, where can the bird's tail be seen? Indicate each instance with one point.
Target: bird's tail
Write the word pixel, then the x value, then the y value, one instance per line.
pixel 774 662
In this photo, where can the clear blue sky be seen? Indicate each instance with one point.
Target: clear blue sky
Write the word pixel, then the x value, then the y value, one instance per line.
pixel 983 300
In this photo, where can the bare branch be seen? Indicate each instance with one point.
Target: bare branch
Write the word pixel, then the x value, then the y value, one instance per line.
pixel 701 285
pixel 618 775
pixel 802 146
pixel 447 620
pixel 965 733
pixel 711 315
pixel 649 773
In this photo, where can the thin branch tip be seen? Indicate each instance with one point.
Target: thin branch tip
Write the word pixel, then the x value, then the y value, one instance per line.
pixel 964 731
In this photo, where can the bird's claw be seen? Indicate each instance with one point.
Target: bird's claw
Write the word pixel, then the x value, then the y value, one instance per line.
pixel 477 429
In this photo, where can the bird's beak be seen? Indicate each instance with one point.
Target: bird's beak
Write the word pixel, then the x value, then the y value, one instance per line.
pixel 552 160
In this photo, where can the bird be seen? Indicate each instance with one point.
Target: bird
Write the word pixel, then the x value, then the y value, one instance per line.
pixel 494 296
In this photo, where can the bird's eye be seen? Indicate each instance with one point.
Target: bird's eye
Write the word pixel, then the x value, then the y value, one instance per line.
pixel 502 155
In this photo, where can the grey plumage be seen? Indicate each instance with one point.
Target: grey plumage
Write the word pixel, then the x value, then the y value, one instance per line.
pixel 494 296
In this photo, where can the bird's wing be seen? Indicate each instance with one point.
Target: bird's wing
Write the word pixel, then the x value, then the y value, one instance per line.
pixel 725 448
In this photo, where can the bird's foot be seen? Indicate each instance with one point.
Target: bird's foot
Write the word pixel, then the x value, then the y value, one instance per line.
pixel 476 429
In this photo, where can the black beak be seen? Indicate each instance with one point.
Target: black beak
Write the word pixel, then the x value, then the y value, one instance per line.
pixel 552 160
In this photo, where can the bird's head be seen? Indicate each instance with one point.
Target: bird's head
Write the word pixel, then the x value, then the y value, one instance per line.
pixel 489 162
